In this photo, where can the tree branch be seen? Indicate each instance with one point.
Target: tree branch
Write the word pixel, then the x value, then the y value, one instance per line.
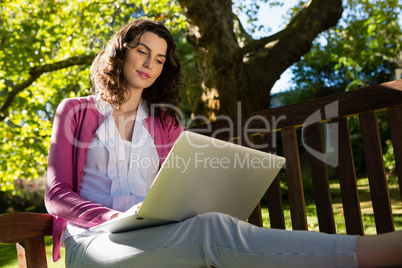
pixel 293 26
pixel 35 73
pixel 78 60
pixel 243 38
pixel 291 44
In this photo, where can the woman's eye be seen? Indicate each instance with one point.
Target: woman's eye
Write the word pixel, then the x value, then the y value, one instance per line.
pixel 159 61
pixel 142 52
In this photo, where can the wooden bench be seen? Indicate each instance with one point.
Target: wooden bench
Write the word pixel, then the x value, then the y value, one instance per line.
pixel 333 110
pixel 28 229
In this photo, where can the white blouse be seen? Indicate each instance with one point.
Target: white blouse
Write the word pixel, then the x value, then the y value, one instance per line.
pixel 118 173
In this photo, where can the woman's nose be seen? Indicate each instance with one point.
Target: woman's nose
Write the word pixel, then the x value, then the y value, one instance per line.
pixel 148 63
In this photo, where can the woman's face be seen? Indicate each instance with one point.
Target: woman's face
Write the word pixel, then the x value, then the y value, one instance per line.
pixel 144 63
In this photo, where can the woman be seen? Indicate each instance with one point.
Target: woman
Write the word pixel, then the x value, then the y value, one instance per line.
pixel 91 179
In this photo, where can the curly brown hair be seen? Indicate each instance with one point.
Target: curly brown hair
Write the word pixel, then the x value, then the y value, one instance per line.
pixel 108 77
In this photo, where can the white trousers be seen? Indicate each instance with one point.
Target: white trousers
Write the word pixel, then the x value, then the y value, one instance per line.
pixel 211 240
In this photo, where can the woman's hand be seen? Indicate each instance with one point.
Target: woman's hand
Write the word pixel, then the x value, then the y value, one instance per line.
pixel 115 215
pixel 132 211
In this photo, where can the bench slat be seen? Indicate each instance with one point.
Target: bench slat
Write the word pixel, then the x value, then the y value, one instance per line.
pixel 395 127
pixel 294 179
pixel 275 205
pixel 376 173
pixel 274 194
pixel 319 176
pixel 347 181
pixel 255 217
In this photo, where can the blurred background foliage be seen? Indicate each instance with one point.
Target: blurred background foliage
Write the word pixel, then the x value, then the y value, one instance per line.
pixel 49 37
pixel 46 33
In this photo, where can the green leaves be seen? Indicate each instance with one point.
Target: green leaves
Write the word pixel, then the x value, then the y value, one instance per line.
pixel 35 34
pixel 362 50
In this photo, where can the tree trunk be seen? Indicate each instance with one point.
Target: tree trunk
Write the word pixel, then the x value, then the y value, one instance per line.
pixel 232 71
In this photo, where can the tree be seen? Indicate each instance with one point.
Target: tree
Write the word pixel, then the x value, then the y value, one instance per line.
pixel 235 67
pixel 48 46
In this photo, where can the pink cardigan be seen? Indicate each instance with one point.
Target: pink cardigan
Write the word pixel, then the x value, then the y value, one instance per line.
pixel 75 124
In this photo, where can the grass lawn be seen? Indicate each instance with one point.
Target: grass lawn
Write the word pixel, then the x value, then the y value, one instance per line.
pixel 365 203
pixel 8 253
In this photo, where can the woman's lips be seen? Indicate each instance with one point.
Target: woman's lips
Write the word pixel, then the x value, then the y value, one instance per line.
pixel 143 74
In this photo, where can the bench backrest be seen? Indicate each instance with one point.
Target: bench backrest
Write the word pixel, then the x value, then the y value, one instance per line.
pixel 334 110
pixel 27 230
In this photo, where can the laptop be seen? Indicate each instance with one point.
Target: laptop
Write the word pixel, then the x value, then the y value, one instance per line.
pixel 200 175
